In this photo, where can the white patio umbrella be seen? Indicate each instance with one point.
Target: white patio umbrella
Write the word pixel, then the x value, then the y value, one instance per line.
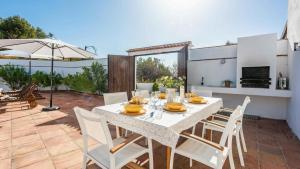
pixel 46 49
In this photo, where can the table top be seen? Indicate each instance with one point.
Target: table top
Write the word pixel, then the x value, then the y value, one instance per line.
pixel 158 124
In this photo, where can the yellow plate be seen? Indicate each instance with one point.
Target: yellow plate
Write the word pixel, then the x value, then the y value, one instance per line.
pixel 202 102
pixel 143 111
pixel 143 102
pixel 183 109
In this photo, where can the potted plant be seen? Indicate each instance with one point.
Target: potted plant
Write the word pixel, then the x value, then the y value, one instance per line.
pixel 228 83
pixel 171 84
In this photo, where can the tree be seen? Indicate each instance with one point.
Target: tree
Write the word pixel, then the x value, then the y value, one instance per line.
pixel 15 27
pixel 150 69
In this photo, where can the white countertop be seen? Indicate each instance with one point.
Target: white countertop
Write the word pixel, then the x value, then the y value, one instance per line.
pixel 246 91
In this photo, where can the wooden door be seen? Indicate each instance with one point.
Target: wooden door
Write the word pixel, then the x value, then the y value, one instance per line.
pixel 182 63
pixel 121 73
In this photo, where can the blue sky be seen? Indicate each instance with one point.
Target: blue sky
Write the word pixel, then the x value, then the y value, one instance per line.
pixel 114 26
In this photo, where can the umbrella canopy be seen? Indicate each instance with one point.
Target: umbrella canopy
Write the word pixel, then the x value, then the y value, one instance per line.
pixel 42 48
pixel 46 49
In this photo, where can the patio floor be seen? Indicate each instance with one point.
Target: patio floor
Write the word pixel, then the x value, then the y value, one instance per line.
pixel 33 139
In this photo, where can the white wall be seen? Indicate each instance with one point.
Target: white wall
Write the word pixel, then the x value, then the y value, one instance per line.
pixel 293 21
pixel 213 71
pixel 257 51
pixel 293 116
pixel 213 52
pixel 62 67
pixel 268 107
pixel 293 34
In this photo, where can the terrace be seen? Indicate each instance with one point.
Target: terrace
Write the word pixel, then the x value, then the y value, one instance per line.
pixel 36 139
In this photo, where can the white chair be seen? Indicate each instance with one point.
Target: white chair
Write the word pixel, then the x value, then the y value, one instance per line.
pixel 141 93
pixel 204 93
pixel 108 154
pixel 221 120
pixel 207 152
pixel 113 98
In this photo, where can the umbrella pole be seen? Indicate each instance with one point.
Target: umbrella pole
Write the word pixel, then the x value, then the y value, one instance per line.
pixel 51 80
pixel 29 71
pixel 51 107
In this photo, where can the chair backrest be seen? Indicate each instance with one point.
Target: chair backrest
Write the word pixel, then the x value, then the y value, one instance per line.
pixel 113 98
pixel 245 103
pixel 204 93
pixel 94 126
pixel 230 126
pixel 141 93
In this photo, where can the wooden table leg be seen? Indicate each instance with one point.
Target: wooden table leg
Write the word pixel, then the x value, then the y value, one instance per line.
pixel 168 157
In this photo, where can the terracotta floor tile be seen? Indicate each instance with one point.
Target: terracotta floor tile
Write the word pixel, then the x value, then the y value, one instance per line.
pixel 5 153
pixel 46 127
pixel 5 135
pixel 5 163
pixel 19 114
pixel 62 148
pixel 22 133
pixel 51 134
pixel 28 147
pixel 24 127
pixel 68 159
pixel 45 164
pixel 25 139
pixel 30 158
pixel 52 139
pixel 5 144
pixel 57 140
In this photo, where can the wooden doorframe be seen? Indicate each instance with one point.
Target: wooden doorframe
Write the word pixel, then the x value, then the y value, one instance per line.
pixel 129 83
pixel 183 60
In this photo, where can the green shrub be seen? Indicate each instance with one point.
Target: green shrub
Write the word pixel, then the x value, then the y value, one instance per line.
pixel 43 79
pixel 155 87
pixel 79 82
pixel 92 80
pixel 15 77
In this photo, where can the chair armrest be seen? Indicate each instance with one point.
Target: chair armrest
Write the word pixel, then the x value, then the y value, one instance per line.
pixel 131 139
pixel 221 116
pixel 196 138
pixel 213 123
pixel 226 109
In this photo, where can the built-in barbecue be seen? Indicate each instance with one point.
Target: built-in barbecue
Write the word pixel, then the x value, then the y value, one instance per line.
pixel 256 77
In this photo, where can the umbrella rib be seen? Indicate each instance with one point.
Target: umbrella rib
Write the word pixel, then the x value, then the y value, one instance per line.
pixel 37 49
pixel 17 44
pixel 63 57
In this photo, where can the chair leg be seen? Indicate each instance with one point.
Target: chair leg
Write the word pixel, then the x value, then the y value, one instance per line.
pixel 118 131
pixel 191 163
pixel 126 133
pixel 238 143
pixel 243 140
pixel 231 162
pixel 150 154
pixel 84 161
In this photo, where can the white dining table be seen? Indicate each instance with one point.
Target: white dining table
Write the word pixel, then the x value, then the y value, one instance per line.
pixel 158 124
